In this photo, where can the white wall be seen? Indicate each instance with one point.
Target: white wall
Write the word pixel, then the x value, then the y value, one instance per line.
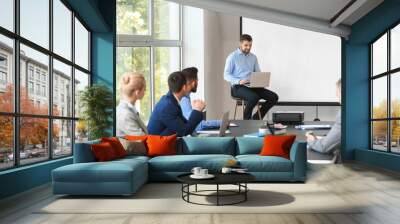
pixel 304 65
pixel 193 44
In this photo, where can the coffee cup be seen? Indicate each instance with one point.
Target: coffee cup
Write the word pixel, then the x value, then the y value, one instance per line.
pixel 203 172
pixel 196 171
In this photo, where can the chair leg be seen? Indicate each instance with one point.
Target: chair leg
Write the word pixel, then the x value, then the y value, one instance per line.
pixel 242 109
pixel 258 110
pixel 234 114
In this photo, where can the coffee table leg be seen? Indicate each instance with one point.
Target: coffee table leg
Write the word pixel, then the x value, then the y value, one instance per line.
pixel 217 194
pixel 245 193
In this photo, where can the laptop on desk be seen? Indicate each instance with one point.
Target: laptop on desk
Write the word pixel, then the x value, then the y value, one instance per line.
pixel 222 129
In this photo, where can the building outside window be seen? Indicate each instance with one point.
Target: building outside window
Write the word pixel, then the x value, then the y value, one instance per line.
pixel 56 128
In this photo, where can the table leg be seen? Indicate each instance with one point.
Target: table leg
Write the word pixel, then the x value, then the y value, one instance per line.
pixel 245 193
pixel 217 194
pixel 196 187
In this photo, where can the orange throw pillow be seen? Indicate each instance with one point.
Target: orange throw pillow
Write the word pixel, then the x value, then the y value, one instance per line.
pixel 116 145
pixel 103 151
pixel 136 137
pixel 277 145
pixel 161 145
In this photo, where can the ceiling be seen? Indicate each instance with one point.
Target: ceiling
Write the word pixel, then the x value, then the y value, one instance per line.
pixel 319 9
pixel 327 16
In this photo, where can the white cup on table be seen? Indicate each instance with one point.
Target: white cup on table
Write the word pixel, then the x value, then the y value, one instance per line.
pixel 196 171
pixel 203 172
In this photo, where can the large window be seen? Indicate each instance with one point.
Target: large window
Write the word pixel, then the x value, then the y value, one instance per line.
pixel 149 42
pixel 385 91
pixel 40 80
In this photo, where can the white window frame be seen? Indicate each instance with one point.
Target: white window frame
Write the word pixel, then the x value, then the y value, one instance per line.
pixel 150 41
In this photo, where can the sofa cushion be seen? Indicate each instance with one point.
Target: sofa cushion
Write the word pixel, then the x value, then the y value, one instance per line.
pixel 206 145
pixel 116 145
pixel 185 163
pixel 161 145
pixel 103 152
pixel 257 163
pixel 112 171
pixel 249 145
pixel 277 145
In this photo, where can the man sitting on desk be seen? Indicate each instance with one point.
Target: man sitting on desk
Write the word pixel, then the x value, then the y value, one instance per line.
pixel 331 142
pixel 238 68
pixel 186 105
pixel 167 117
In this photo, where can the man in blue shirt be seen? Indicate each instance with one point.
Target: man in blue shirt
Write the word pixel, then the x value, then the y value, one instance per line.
pixel 238 68
pixel 167 117
pixel 186 105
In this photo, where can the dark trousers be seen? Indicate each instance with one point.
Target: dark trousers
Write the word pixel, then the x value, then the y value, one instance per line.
pixel 252 95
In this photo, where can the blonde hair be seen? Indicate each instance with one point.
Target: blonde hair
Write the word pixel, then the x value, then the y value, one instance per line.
pixel 130 82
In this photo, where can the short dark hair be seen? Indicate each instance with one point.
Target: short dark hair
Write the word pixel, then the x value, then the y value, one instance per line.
pixel 176 81
pixel 246 37
pixel 190 73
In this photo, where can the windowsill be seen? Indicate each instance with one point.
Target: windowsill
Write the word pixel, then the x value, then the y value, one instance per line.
pixel 379 151
pixel 25 167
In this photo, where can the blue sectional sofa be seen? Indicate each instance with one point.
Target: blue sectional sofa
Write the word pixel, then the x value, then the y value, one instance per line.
pixel 125 176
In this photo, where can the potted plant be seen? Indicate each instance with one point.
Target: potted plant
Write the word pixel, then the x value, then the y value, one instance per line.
pixel 96 105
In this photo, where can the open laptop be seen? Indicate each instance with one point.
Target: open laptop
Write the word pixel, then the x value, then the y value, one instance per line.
pixel 222 129
pixel 260 79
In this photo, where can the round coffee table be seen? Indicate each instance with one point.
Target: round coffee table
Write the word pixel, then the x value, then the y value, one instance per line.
pixel 238 179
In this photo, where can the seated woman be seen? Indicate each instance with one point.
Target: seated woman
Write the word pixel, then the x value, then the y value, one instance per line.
pixel 133 87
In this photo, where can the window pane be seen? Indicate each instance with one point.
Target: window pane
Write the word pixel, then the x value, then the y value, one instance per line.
pixel 166 61
pixel 6 142
pixel 379 98
pixel 34 72
pixel 81 45
pixel 33 139
pixel 81 131
pixel 62 29
pixel 35 21
pixel 395 47
pixel 62 138
pixel 379 135
pixel 62 89
pixel 132 17
pixel 6 74
pixel 379 55
pixel 135 59
pixel 395 136
pixel 81 81
pixel 166 20
pixel 7 14
pixel 395 94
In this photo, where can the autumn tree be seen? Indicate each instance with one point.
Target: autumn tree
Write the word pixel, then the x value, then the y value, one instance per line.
pixel 33 131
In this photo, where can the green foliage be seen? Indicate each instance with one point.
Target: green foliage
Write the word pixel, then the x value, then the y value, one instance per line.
pixel 132 18
pixel 96 102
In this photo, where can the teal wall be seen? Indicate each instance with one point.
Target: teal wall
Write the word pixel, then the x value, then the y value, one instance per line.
pixel 99 16
pixel 356 99
pixel 24 178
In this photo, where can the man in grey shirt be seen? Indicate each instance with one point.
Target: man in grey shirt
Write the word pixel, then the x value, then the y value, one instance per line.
pixel 330 144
